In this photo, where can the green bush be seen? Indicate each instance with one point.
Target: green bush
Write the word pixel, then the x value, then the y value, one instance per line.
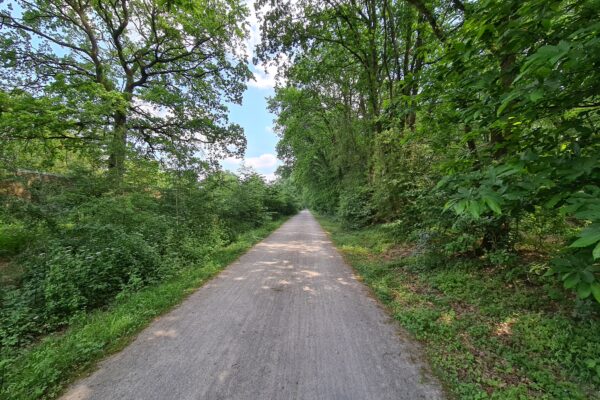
pixel 14 238
pixel 92 245
pixel 82 272
pixel 356 209
pixel 279 201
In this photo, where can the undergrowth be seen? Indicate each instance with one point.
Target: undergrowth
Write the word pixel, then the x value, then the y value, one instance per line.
pixel 491 329
pixel 44 369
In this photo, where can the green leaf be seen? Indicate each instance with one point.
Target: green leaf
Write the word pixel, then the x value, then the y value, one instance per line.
pixel 536 95
pixel 460 206
pixel 492 204
pixel 595 287
pixel 583 290
pixel 506 102
pixel 449 204
pixel 587 238
pixel 553 200
pixel 474 209
pixel 588 276
pixel 596 252
pixel 572 280
pixel 442 182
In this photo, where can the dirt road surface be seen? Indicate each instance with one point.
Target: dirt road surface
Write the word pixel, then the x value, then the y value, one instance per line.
pixel 287 321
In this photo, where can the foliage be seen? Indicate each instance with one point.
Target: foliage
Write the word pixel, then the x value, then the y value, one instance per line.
pixel 95 245
pixel 44 369
pixel 355 207
pixel 480 326
pixel 464 121
pixel 13 239
pixel 144 76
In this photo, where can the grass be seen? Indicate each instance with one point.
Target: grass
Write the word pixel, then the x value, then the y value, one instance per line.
pixel 488 332
pixel 45 369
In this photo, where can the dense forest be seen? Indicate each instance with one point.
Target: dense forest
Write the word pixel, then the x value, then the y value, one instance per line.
pixel 456 143
pixel 451 147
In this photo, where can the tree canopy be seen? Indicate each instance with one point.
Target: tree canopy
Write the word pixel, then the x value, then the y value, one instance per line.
pixel 119 75
pixel 446 115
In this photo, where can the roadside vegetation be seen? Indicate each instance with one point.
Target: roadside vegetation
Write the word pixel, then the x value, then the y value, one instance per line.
pixel 456 144
pixel 490 328
pixel 113 206
pixel 44 369
pixel 75 245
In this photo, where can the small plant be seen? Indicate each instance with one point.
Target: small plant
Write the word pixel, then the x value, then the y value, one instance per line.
pixel 14 238
pixel 500 258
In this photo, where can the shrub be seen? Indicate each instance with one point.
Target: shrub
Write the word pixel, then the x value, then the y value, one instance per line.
pixel 14 239
pixel 356 208
pixel 98 244
pixel 85 270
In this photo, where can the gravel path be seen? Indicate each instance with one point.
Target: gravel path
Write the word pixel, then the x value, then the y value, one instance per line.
pixel 288 320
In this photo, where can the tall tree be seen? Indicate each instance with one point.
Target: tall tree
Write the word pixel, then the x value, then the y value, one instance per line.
pixel 488 108
pixel 147 74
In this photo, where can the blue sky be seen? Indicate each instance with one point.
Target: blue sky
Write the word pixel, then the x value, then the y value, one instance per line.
pixel 257 122
pixel 253 115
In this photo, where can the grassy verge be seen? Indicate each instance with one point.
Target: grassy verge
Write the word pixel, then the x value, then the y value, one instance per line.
pixel 43 370
pixel 488 332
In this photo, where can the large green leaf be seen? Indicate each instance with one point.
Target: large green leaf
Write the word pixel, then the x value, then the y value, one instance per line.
pixel 587 238
pixel 492 204
pixel 595 287
pixel 571 280
pixel 584 290
pixel 596 252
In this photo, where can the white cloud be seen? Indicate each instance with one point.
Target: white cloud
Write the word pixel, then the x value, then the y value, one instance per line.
pixel 263 161
pixel 265 164
pixel 270 177
pixel 231 162
pixel 267 160
pixel 264 78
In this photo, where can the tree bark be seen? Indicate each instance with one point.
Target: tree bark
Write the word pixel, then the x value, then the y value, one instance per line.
pixel 118 147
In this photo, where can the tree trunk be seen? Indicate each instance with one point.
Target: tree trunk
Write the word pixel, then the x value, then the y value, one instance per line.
pixel 415 70
pixel 118 147
pixel 497 236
